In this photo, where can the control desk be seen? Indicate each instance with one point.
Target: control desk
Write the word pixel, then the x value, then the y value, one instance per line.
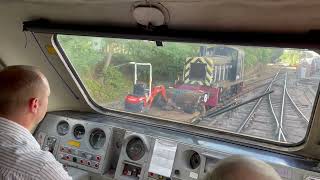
pixel 95 146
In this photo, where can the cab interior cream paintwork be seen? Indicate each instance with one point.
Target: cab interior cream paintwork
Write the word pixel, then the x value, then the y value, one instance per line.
pixel 17 47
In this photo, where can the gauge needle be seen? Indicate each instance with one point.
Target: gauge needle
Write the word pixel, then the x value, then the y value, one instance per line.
pixel 99 138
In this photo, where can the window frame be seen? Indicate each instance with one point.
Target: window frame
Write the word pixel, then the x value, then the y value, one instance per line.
pixel 158 121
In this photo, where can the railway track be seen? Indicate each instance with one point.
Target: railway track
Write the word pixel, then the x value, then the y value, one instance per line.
pixel 275 116
pixel 262 119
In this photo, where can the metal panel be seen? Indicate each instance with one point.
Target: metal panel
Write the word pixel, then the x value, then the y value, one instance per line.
pixel 209 151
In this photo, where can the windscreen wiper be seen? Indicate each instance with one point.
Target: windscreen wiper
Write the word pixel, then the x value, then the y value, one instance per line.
pixel 228 108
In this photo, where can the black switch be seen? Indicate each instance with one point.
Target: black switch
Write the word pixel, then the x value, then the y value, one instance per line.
pixel 176 172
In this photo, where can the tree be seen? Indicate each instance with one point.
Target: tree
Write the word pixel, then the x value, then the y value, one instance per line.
pixel 260 55
pixel 98 62
pixel 291 57
pixel 103 63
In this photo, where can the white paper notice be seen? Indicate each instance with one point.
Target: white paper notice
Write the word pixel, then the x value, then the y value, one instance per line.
pixel 163 157
pixel 193 175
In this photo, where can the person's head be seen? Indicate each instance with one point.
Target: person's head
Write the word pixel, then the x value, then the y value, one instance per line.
pixel 242 168
pixel 24 93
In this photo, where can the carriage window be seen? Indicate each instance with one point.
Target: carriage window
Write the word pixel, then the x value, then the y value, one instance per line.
pixel 263 92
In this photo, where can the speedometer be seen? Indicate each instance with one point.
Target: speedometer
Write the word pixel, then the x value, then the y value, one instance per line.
pixel 79 131
pixel 97 139
pixel 63 128
pixel 135 149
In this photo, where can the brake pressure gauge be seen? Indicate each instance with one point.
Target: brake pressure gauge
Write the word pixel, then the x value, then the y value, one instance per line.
pixel 97 139
pixel 79 131
pixel 63 128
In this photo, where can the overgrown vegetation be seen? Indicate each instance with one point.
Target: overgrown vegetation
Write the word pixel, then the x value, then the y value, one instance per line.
pixel 103 64
pixel 254 56
pixel 86 56
pixel 291 57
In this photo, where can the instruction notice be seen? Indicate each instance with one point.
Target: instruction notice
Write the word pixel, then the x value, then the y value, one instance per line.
pixel 163 157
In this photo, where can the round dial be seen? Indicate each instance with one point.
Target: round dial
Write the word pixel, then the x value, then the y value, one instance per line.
pixel 63 128
pixel 135 149
pixel 195 160
pixel 97 139
pixel 79 131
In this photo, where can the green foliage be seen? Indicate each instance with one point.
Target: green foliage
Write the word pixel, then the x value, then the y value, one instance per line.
pixel 86 52
pixel 80 52
pixel 114 86
pixel 108 82
pixel 167 61
pixel 276 53
pixel 291 57
pixel 255 55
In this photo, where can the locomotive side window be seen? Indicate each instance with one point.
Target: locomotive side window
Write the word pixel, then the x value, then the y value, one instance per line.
pixel 262 92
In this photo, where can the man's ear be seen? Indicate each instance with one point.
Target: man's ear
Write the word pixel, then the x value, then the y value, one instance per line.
pixel 33 105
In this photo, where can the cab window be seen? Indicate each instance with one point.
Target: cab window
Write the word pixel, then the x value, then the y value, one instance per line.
pixel 262 92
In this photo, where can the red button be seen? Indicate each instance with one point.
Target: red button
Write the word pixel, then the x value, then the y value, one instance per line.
pixel 68 157
pixel 96 165
pixel 81 161
pixel 98 158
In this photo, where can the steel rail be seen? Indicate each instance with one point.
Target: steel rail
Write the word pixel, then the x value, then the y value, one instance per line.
pixel 296 107
pixel 282 108
pixel 279 129
pixel 236 106
pixel 249 117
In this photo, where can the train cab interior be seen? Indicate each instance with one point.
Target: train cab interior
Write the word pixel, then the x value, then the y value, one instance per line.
pixel 165 89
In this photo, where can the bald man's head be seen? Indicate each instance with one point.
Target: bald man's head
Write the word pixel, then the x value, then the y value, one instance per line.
pixel 24 91
pixel 243 168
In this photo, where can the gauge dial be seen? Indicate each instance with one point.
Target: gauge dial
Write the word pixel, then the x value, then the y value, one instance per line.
pixel 79 131
pixel 135 149
pixel 195 160
pixel 97 139
pixel 63 128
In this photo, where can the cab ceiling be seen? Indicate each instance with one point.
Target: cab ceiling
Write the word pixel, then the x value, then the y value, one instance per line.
pixel 215 15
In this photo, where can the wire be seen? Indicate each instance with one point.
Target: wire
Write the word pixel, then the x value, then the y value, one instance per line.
pixel 26 39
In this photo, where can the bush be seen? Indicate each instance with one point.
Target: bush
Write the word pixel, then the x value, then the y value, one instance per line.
pixel 114 86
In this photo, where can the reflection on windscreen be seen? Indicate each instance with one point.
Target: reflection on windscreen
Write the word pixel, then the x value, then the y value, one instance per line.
pixel 256 91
